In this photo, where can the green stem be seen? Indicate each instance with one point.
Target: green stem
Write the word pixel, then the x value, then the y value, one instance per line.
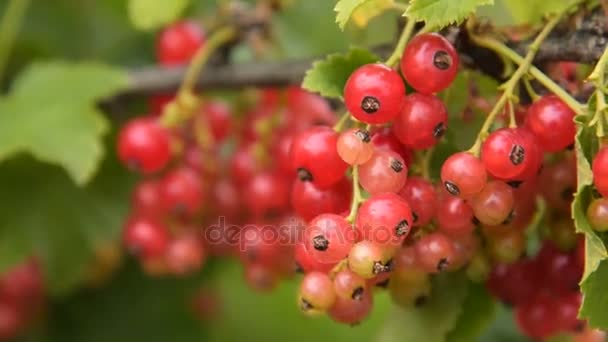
pixel 357 197
pixel 9 27
pixel 339 126
pixel 512 118
pixel 598 77
pixel 525 66
pixel 403 39
pixel 219 38
pixel 426 163
pixel 533 95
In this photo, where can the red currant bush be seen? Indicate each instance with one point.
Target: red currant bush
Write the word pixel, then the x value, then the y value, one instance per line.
pixel 374 93
pixel 422 121
pixel 144 146
pixel 429 63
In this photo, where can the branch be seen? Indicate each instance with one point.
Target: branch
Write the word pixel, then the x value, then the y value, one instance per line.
pixel 584 44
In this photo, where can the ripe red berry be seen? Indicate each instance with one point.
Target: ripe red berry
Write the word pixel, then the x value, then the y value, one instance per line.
pixel 351 311
pixel 551 121
pixel 217 115
pixel 374 93
pixel 354 146
pixel 422 198
pixel 306 263
pixel 534 318
pixel 329 238
pixel 309 201
pixel 429 63
pixel 146 198
pixel 435 252
pixel 455 216
pixel 561 271
pixel 493 204
pixel 23 283
pixel 178 43
pixel 516 283
pixel 146 237
pixel 566 312
pixel 597 214
pixel 463 175
pixel 504 154
pixel 261 277
pixel 558 183
pixel 182 192
pixel 385 219
pixel 12 320
pixel 422 121
pixel 185 254
pixel 600 171
pixel 315 157
pixel 143 145
pixel 316 292
pixel 349 285
pixel 384 139
pixel 266 194
pixel 384 172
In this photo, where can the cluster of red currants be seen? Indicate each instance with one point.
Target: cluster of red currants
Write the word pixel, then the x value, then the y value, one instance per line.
pixel 543 290
pixel 22 297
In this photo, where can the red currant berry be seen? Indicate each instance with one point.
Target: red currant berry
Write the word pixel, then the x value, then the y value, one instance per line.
pixel 384 139
pixel 243 165
pixel 349 285
pixel 217 115
pixel 561 270
pixel 534 317
pixel 12 320
pixel 494 204
pixel 143 145
pixel 309 201
pixel 597 214
pixel 368 259
pixel 551 121
pixel 354 146
pixel 316 292
pixel 185 254
pixel 306 263
pixel 422 198
pixel 558 183
pixel 146 198
pixel 410 289
pixel 506 246
pixel 566 312
pixel 158 102
pixel 145 237
pixel 600 171
pixel 182 192
pixel 261 277
pixel 266 194
pixel 351 311
pixel 374 93
pixel 463 175
pixel 329 238
pixel 385 219
pixel 516 283
pixel 315 157
pixel 384 172
pixel 178 43
pixel 429 63
pixel 435 252
pixel 505 154
pixel 455 216
pixel 422 121
pixel 23 283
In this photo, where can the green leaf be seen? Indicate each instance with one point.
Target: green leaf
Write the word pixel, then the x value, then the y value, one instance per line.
pixel 435 319
pixel 328 76
pixel 152 14
pixel 43 213
pixel 52 113
pixel 533 11
pixel 479 309
pixel 359 10
pixel 440 13
pixel 595 297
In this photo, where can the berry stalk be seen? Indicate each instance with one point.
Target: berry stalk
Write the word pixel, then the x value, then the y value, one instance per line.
pixel 357 196
pixel 406 34
pixel 525 66
pixel 186 102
